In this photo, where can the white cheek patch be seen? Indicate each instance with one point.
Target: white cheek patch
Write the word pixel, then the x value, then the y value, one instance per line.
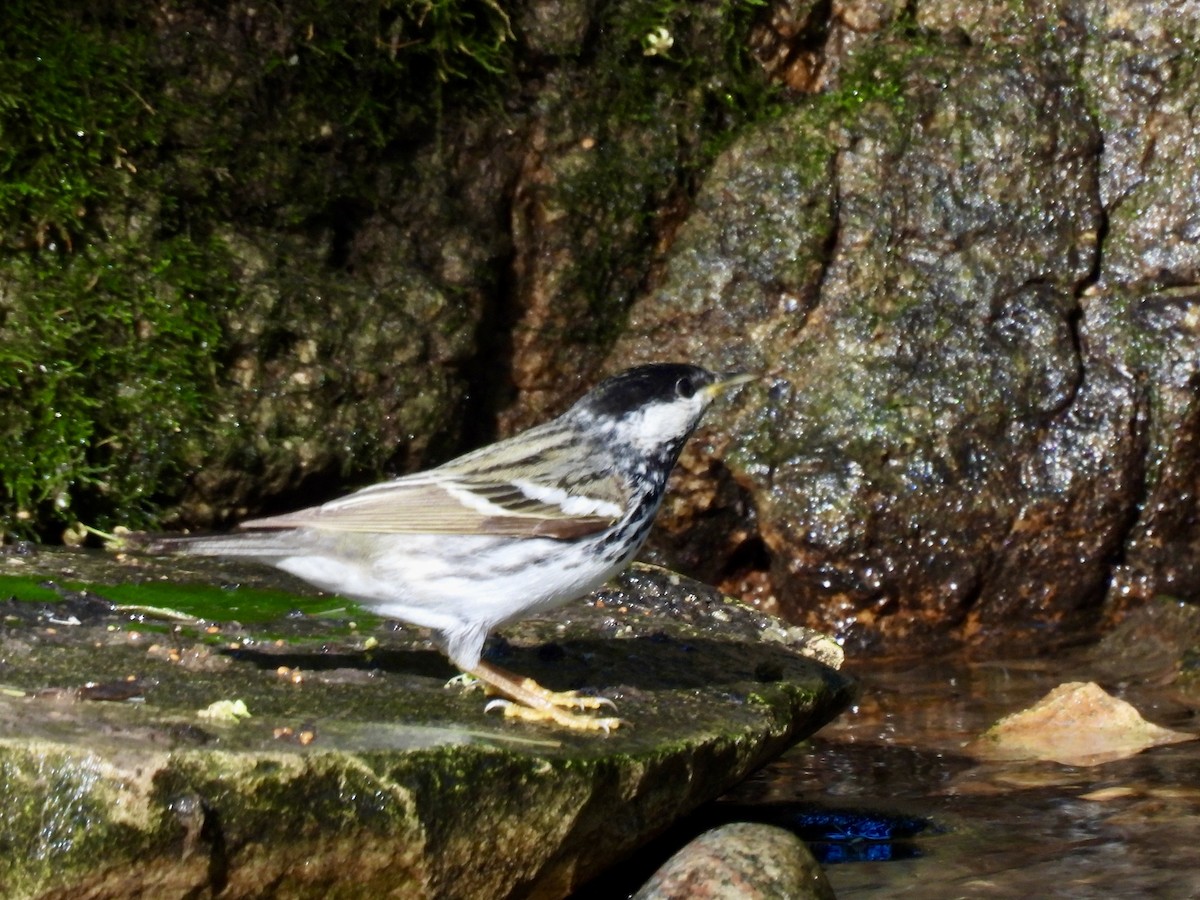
pixel 650 426
pixel 572 505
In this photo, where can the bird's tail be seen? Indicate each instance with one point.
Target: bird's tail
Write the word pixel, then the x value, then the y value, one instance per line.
pixel 260 544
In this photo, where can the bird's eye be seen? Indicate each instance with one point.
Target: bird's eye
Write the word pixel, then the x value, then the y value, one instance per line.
pixel 685 387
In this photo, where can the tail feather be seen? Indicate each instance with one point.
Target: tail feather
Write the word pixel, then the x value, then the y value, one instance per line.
pixel 250 543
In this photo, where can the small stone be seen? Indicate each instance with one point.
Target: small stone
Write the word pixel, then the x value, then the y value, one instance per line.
pixel 740 861
pixel 1076 724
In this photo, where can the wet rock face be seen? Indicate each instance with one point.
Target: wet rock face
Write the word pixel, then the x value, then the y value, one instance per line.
pixel 961 246
pixel 1145 302
pixel 966 403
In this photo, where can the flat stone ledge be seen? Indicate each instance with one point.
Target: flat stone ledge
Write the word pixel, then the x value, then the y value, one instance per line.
pixel 357 771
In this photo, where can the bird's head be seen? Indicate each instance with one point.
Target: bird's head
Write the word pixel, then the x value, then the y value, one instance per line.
pixel 655 407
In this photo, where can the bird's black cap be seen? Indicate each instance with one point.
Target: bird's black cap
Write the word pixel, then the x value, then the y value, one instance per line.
pixel 639 386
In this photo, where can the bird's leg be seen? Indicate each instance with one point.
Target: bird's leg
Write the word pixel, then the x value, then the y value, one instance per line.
pixel 529 701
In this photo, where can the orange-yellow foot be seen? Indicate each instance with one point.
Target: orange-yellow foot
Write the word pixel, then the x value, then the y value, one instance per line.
pixel 556 715
pixel 528 701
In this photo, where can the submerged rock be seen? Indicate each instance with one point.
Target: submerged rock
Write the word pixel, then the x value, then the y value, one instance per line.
pixel 740 861
pixel 1076 724
pixel 310 758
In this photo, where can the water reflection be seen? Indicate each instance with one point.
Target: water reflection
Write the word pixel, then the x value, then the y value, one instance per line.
pixel 843 835
pixel 1014 829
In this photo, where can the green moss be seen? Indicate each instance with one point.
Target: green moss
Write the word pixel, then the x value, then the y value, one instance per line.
pixel 128 143
pixel 151 606
pixel 364 71
pixel 669 86
pixel 71 111
pixel 106 340
pixel 204 602
pixel 105 372
pixel 881 73
pixel 42 843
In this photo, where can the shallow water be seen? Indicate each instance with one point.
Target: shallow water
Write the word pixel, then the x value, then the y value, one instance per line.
pixel 1015 829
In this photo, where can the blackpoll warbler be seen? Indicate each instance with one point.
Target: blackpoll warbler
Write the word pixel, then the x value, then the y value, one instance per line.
pixel 509 530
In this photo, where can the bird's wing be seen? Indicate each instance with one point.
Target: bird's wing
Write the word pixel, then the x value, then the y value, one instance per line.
pixel 548 490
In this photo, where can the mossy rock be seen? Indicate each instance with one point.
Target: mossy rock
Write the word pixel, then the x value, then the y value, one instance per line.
pixel 357 772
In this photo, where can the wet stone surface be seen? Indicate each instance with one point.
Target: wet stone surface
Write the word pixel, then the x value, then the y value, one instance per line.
pixel 145 751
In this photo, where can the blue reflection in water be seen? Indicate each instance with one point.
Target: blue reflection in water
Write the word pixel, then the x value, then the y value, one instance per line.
pixel 851 835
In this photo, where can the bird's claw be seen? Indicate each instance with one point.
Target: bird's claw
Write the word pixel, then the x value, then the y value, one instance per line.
pixel 525 699
pixel 576 700
pixel 465 681
pixel 555 714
